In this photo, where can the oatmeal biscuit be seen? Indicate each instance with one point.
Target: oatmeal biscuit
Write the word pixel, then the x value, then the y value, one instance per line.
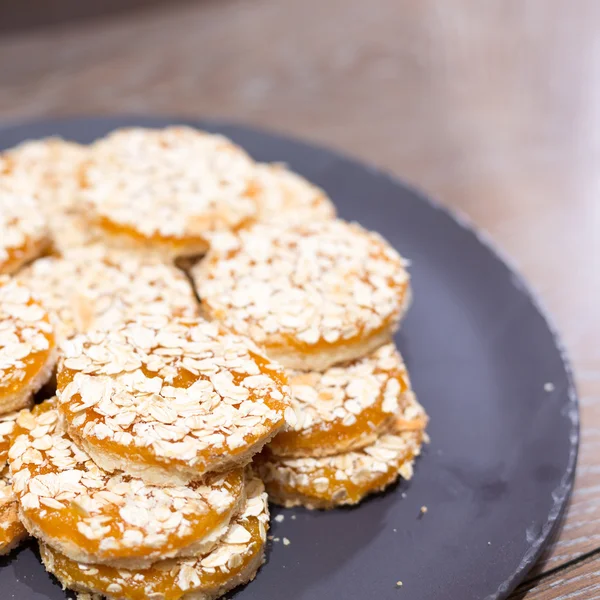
pixel 346 478
pixel 233 562
pixel 23 230
pixel 27 347
pixel 312 296
pixel 330 481
pixel 286 197
pixel 169 400
pixel 168 190
pixel 12 532
pixel 93 516
pixel 95 287
pixel 50 167
pixel 346 407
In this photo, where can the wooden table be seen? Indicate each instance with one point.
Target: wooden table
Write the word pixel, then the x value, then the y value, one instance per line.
pixel 491 106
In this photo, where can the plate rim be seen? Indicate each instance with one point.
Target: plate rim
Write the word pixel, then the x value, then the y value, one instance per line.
pixel 562 493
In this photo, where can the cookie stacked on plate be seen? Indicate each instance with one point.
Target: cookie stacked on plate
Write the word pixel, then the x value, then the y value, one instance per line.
pixel 324 299
pixel 141 471
pixel 142 458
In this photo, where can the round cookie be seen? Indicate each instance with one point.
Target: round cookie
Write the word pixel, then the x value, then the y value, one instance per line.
pixel 7 427
pixel 168 190
pixel 71 231
pixel 12 532
pixel 233 562
pixel 312 296
pixel 346 407
pixel 23 231
pixel 27 346
pixel 50 167
pixel 169 400
pixel 286 197
pixel 342 479
pixel 95 287
pixel 92 516
pixel 346 478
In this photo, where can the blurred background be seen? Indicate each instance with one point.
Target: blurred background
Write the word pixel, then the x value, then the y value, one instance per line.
pixel 490 106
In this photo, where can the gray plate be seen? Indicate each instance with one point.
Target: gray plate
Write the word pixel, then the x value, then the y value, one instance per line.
pixel 499 470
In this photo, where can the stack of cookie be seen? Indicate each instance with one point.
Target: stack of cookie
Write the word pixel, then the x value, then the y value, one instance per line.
pixel 168 191
pixel 133 473
pixel 324 300
pixel 133 478
pixel 158 191
pixel 27 359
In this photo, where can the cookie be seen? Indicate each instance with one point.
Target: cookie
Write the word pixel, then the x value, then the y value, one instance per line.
pixel 23 230
pixel 167 190
pixel 286 197
pixel 27 346
pixel 50 167
pixel 94 287
pixel 12 532
pixel 7 427
pixel 71 231
pixel 345 407
pixel 347 478
pixel 332 481
pixel 233 562
pixel 93 516
pixel 311 296
pixel 169 400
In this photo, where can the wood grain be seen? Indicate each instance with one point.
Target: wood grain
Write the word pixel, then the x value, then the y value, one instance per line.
pixel 491 106
pixel 579 581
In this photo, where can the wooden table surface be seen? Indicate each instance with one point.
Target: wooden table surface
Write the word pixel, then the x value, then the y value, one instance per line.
pixel 491 106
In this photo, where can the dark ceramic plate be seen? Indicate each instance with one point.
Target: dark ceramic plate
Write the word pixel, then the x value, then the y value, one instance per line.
pixel 498 472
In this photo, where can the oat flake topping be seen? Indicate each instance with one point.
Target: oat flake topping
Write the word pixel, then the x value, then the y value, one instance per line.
pixel 177 392
pixel 327 281
pixel 174 182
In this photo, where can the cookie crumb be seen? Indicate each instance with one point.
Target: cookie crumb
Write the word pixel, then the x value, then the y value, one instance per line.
pixel 279 518
pixel 394 530
pixel 398 584
pixel 549 386
pixel 403 494
pixel 293 517
pixel 489 543
pixel 423 510
pixel 286 542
